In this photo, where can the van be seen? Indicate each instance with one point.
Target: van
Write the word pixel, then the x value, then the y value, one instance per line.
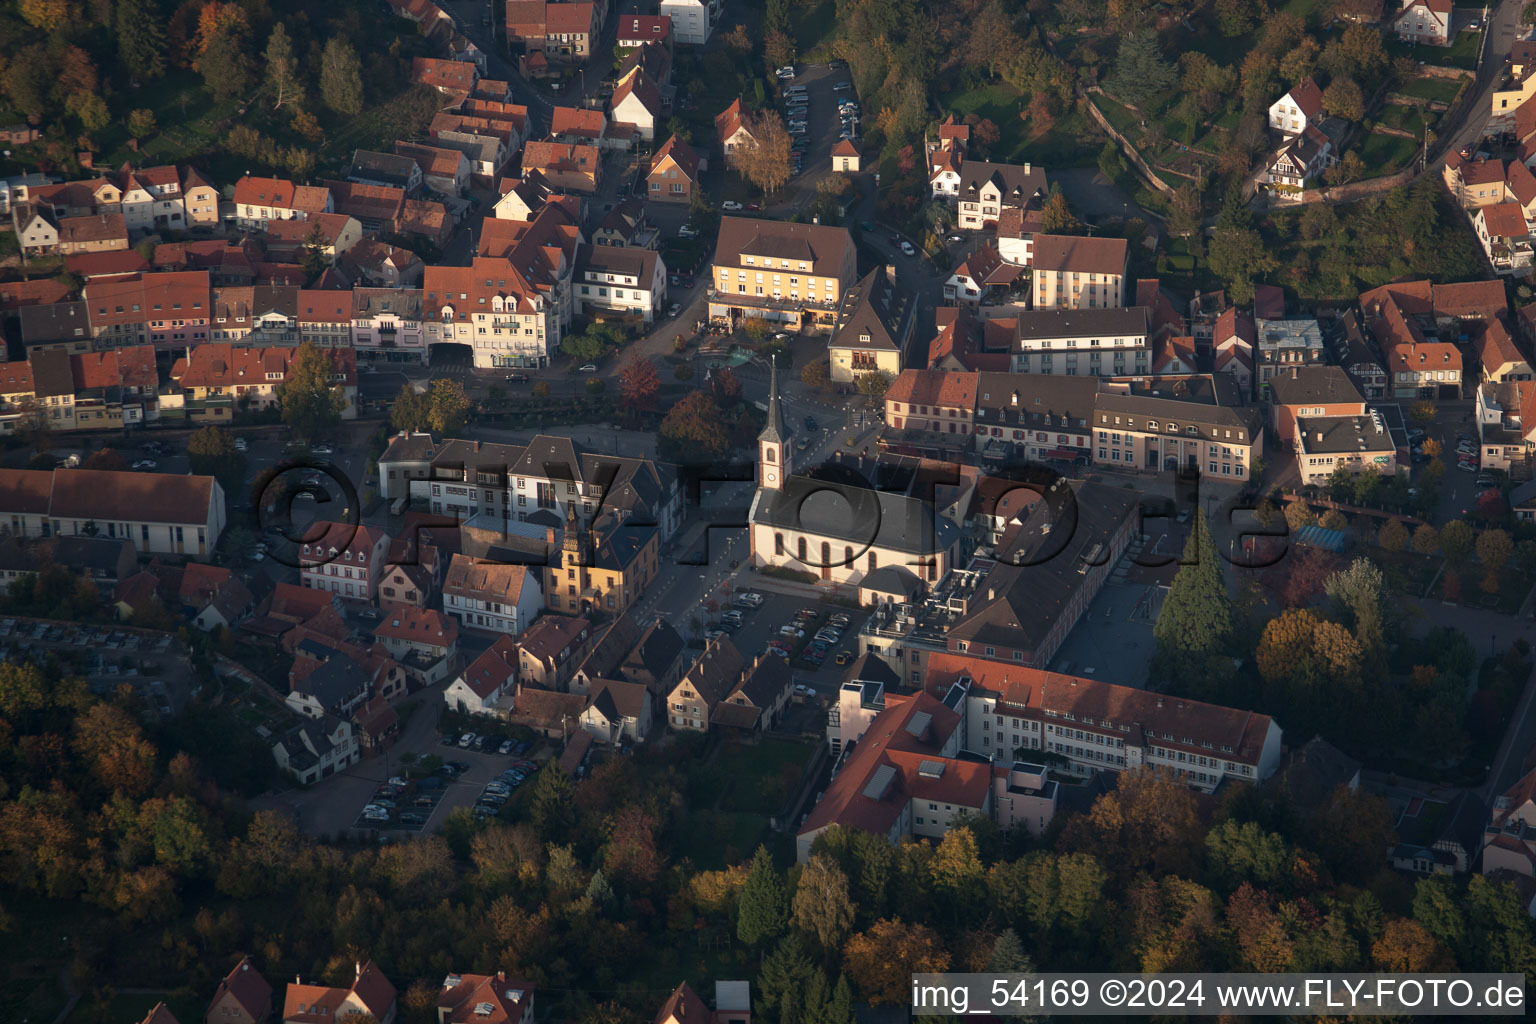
pixel 399 506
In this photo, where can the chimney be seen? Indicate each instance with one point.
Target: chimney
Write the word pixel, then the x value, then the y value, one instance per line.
pixel 501 975
pixel 890 272
pixel 1319 437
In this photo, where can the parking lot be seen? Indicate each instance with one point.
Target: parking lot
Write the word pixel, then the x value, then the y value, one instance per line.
pixel 421 796
pixel 761 626
pixel 820 82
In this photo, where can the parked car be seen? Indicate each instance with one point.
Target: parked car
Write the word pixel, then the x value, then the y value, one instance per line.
pixel 467 740
pixel 1470 467
pixel 687 231
pixel 145 464
pixel 787 71
pixel 506 747
pixel 588 368
pixel 730 206
pixel 323 449
pixel 240 444
pixel 810 423
pixel 517 378
pixel 412 818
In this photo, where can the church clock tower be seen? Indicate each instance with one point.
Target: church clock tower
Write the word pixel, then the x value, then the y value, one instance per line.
pixel 773 449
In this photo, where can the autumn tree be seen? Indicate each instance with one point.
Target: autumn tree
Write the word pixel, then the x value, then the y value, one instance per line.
pixel 1149 823
pixel 341 77
pixel 762 907
pixel 1456 541
pixel 639 384
pixel 1056 217
pixel 726 386
pixel 821 905
pixel 1141 71
pixel 1405 946
pixel 448 406
pixel 882 959
pixel 1425 540
pixel 873 385
pixel 1343 99
pixel 309 399
pixel 629 850
pixel 283 79
pixel 45 14
pixel 814 374
pixel 766 161
pixel 693 429
pixel 1494 549
pixel 141 122
pixel 1285 643
pixel 225 68
pixel 1393 535
pixel 112 744
pixel 409 412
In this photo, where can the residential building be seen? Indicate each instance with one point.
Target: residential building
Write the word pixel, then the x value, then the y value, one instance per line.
pixel 378 264
pixel 1326 444
pixel 1418 363
pixel 369 994
pixel 946 155
pixel 388 323
pixel 1089 341
pixel 1196 423
pixel 1044 418
pixel 444 171
pixel 492 596
pixel 490 677
pixel 568 167
pixel 618 712
pixel 213 596
pixel 221 378
pixel 636 30
pixel 378 208
pixel 692 701
pixel 692 20
pixel 1079 273
pixel 330 233
pixel 347 560
pixel 102 232
pixel 1501 356
pixel 333 683
pixel 732 131
pixel 1359 358
pixel 579 125
pixel 1298 109
pixel 1506 424
pixel 630 282
pixel 1311 391
pixel 310 751
pixel 522 198
pixel 627 227
pixel 757 702
pixel 386 169
pixel 494 309
pixel 1505 236
pixel 780 271
pixel 550 649
pixel 485 999
pixel 1438 837
pixel 674 172
pixel 1476 183
pixel 637 101
pixel 986 189
pixel 453 77
pixel 199 199
pixel 152 199
pixel 1299 160
pixel 162 513
pixel 1283 344
pixel 1509 838
pixel 873 327
pixel 423 640
pixel 845 157
pixel 979 275
pixel 1426 22
pixel 936 401
pixel 243 997
pixel 259 200
pixel 604 572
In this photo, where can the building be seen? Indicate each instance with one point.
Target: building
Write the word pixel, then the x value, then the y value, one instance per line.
pixel 636 30
pixel 1506 424
pixel 493 675
pixel 491 307
pixel 569 167
pixel 692 20
pixel 219 379
pixel 1359 358
pixel 1300 159
pixel 637 101
pixel 162 513
pixel 1505 235
pixel 618 712
pixel 243 997
pixel 1283 344
pixel 1501 356
pixel 1298 109
pixel 692 701
pixel 1426 22
pixel 627 281
pixel 937 401
pixel 387 324
pixel 673 174
pixel 731 129
pixel 1418 363
pixel 1094 342
pixel 370 993
pixel 979 275
pixel 873 327
pixel 985 190
pixel 423 640
pixel 102 232
pixel 1315 390
pixel 444 171
pixel 347 560
pixel 388 170
pixel 1476 183
pixel 1326 444
pixel 492 595
pixel 310 751
pixel 946 155
pixel 1079 273
pixel 1198 423
pixel 333 683
pixel 1509 838
pixel 550 650
pixel 1044 418
pixel 779 271
pixel 485 999
pixel 757 701
pixel 603 572
pixel 845 157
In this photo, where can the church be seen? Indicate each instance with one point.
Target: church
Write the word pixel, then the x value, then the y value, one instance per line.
pixel 836 524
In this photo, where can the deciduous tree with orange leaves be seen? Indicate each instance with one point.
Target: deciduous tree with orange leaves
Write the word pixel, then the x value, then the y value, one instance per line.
pixel 882 960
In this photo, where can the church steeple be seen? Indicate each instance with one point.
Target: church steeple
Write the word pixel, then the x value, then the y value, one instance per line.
pixel 575 539
pixel 773 451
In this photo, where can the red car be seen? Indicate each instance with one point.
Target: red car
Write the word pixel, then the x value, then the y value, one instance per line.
pixel 754 207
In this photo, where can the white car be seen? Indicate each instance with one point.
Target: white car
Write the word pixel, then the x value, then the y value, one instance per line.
pixel 323 449
pixel 843 86
pixel 589 368
pixel 467 739
pixel 687 231
pixel 145 464
pixel 907 250
pixel 240 444
pixel 730 206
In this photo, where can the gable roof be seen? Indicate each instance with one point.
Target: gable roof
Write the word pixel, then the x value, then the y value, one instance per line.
pixel 729 121
pixel 124 495
pixel 1307 97
pixel 822 246
pixel 1504 220
pixel 681 154
pixel 1077 254
pixel 494 669
pixel 683 1006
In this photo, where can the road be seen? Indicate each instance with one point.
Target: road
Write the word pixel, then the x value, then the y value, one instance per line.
pixel 1504 26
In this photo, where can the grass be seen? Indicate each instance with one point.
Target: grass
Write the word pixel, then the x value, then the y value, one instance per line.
pixel 750 779
pixel 1405 118
pixel 1384 154
pixel 1462 53
pixel 1442 90
pixel 814 26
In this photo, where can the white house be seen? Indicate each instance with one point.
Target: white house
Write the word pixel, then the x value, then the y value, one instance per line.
pixel 346 560
pixel 491 595
pixel 620 280
pixel 315 749
pixel 618 710
pixel 488 678
pixel 692 20
pixel 1425 21
pixel 1302 158
pixel 1293 112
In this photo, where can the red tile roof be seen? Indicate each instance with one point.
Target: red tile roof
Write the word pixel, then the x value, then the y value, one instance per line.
pixel 645 27
pixel 845 147
pixel 1071 253
pixel 104 264
pixel 276 192
pixel 484 999
pixel 129 367
pixel 126 496
pixel 681 154
pixel 1495 348
pixel 1470 299
pixel 577 121
pixel 419 625
pixel 220 364
pixel 1505 220
pixel 15 377
pixel 494 669
pixel 1307 97
pixel 444 75
pixel 934 387
pixel 317 1004
pixel 576 19
pixel 551 635
pixel 1482 172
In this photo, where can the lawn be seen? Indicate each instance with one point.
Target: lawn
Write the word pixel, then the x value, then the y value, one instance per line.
pixel 1405 118
pixel 1442 90
pixel 1462 53
pixel 751 779
pixel 1384 154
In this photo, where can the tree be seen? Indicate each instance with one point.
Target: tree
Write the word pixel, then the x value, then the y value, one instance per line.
pixel 1184 212
pixel 105 458
pixel 44 14
pixel 225 67
pixel 315 261
pixel 1343 99
pixel 211 452
pixel 283 78
pixel 762 908
pixel 1425 540
pixel 447 406
pixel 1528 13
pixel 814 374
pixel 90 109
pixel 639 383
pixel 821 904
pixel 1238 255
pixel 874 384
pixel 309 400
pixel 1141 71
pixel 341 77
pixel 410 410
pixel 140 38
pixel 1299 514
pixel 1494 548
pixel 1406 947
pixel 1456 541
pixel 1393 535
pixel 727 386
pixel 1285 643
pixel 1196 619
pixel 692 430
pixel 783 979
pixel 766 161
pixel 1056 217
pixel 882 959
pixel 141 122
pixel 1333 519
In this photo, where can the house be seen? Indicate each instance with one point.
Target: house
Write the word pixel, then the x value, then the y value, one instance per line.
pixel 102 232
pixel 1355 444
pixel 1505 236
pixel 1418 363
pixel 636 30
pixel 522 198
pixel 376 207
pixel 673 173
pixel 578 125
pixel 162 513
pixel 444 171
pixel 1424 21
pixel 627 227
pixel 786 273
pixel 492 595
pixel 1298 109
pixel 387 323
pixel 604 571
pixel 1436 838
pixel 214 596
pixel 692 701
pixel 978 274
pixel 370 993
pixel 1509 838
pixel 618 711
pixel 413 572
pixel 637 101
pixel 332 682
pixel 551 714
pixel 845 157
pixel 259 200
pixel 932 400
pixel 424 640
pixel 347 560
pixel 1315 390
pixel 161 1014
pixel 36 229
pixel 103 561
pixel 559 31
pixel 218 376
pixel 567 167
pixel 485 999
pixel 549 649
pixel 378 264
pixel 454 77
pixel 732 131
pixel 946 155
pixel 1476 183
pixel 1174 354
pixel 1112 341
pixel 986 189
pixel 630 282
pixel 1506 424
pixel 377 724
pixel 874 325
pixel 692 20
pixel 1079 273
pixel 310 751
pixel 1358 356
pixel 427 220
pixel 1501 356
pixel 1283 344
pixel 1300 159
pixel 1044 417
pixel 331 233
pixel 487 679
pixel 243 997
pixel 757 701
pixel 1199 422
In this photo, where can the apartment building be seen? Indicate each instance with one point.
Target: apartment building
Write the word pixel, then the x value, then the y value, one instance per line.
pixel 1418 363
pixel 1045 418
pixel 491 595
pixel 1096 342
pixel 1079 273
pixel 614 279
pixel 1506 423
pixel 1197 422
pixel 786 273
pixel 985 190
pixel 424 641
pixel 1311 391
pixel 493 309
pixel 220 378
pixel 939 401
pixel 347 560
pixel 873 327
pixel 162 513
pixel 604 571
pixel 692 20
pixel 387 323
pixel 1287 343
pixel 80 391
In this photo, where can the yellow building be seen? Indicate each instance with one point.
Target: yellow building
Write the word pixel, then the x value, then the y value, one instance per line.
pixel 605 571
pixel 873 327
pixel 792 274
